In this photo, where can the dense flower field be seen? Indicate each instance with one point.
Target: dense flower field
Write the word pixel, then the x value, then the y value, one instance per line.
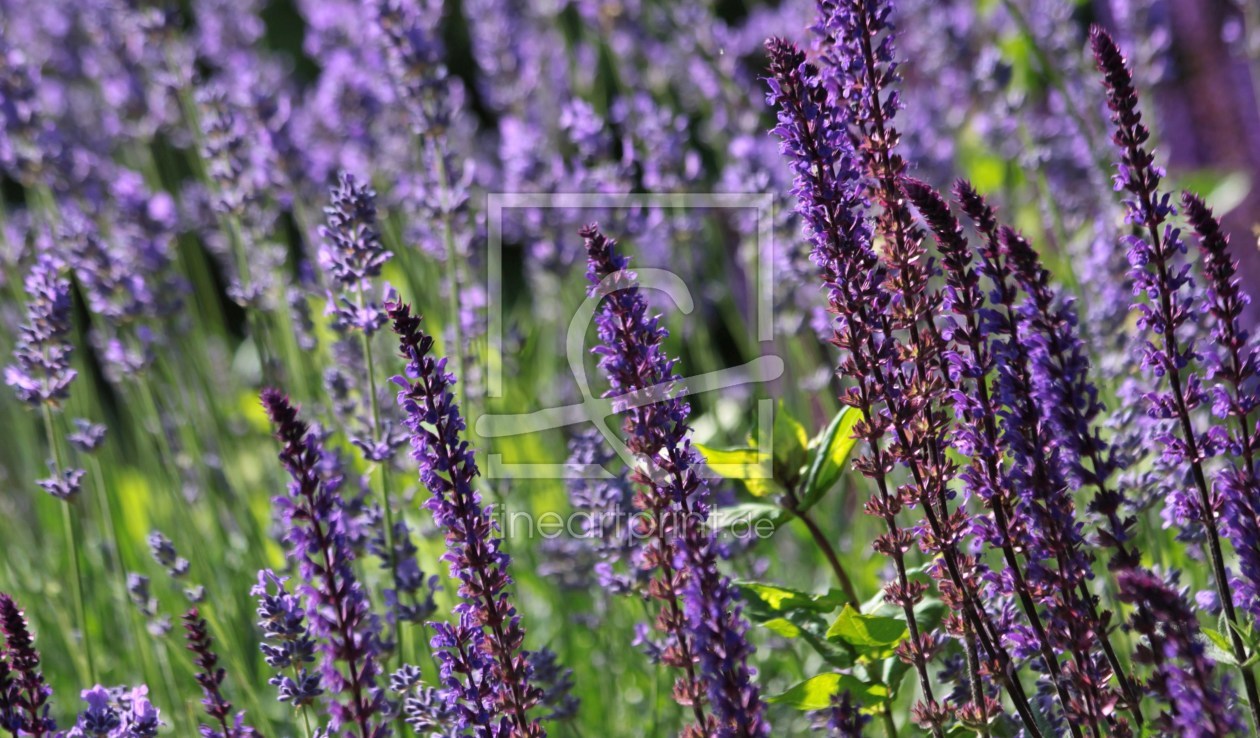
pixel 628 368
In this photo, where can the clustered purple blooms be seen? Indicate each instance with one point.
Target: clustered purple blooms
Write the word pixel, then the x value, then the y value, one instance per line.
pixel 815 141
pixel 704 620
pixel 116 714
pixel 1162 273
pixel 41 372
pixel 210 677
pixel 606 506
pixel 352 254
pixel 482 662
pixel 1234 362
pixel 336 605
pixel 844 158
pixel 1199 701
pixel 287 643
pixel 424 708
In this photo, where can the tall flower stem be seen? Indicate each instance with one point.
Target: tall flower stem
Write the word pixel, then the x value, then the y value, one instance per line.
pixel 72 545
pixel 824 545
pixel 1152 261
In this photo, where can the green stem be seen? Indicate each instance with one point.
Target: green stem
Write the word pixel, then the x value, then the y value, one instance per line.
pixel 72 543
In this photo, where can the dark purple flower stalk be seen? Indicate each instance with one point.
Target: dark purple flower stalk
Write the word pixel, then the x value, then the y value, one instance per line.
pixel 10 718
pixel 1199 703
pixel 1154 255
pixel 1068 400
pixel 1058 562
pixel 632 357
pixel 288 646
pixel 827 188
pixel 337 606
pixel 978 437
pixel 1069 407
pixel 474 549
pixel 1235 359
pixel 210 677
pixel 28 693
pixel 856 43
pixel 1042 516
pixel 41 373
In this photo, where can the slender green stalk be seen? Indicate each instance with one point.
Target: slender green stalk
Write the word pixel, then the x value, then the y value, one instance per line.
pixel 72 545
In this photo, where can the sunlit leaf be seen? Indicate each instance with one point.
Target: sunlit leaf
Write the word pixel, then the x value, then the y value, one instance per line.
pixel 816 693
pixel 830 451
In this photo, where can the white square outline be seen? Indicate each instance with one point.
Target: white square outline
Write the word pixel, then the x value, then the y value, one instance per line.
pixel 497 202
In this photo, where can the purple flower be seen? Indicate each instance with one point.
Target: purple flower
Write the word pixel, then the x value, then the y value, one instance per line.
pixel 41 372
pixel 165 554
pixel 288 646
pixel 352 253
pixel 1234 358
pixel 814 139
pixel 210 677
pixel 1199 703
pixel 337 607
pixel 683 550
pixel 86 436
pixel 28 692
pixel 424 708
pixel 117 713
pixel 473 546
pixel 843 718
pixel 1157 257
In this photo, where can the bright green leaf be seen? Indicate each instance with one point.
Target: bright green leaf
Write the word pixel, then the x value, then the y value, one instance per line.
pixel 790 439
pixel 831 450
pixel 816 693
pixel 873 636
pixel 783 627
pixel 735 463
pixel 786 599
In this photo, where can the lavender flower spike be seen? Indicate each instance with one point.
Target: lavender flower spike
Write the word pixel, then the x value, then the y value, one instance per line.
pixel 116 714
pixel 1155 257
pixel 28 692
pixel 1199 703
pixel 632 358
pixel 41 373
pixel 352 253
pixel 337 606
pixel 447 468
pixel 288 645
pixel 1237 362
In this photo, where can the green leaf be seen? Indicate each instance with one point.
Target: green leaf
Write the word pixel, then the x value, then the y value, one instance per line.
pixel 872 636
pixel 790 439
pixel 735 463
pixel 1219 647
pixel 748 517
pixel 830 450
pixel 785 599
pixel 783 627
pixel 816 693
